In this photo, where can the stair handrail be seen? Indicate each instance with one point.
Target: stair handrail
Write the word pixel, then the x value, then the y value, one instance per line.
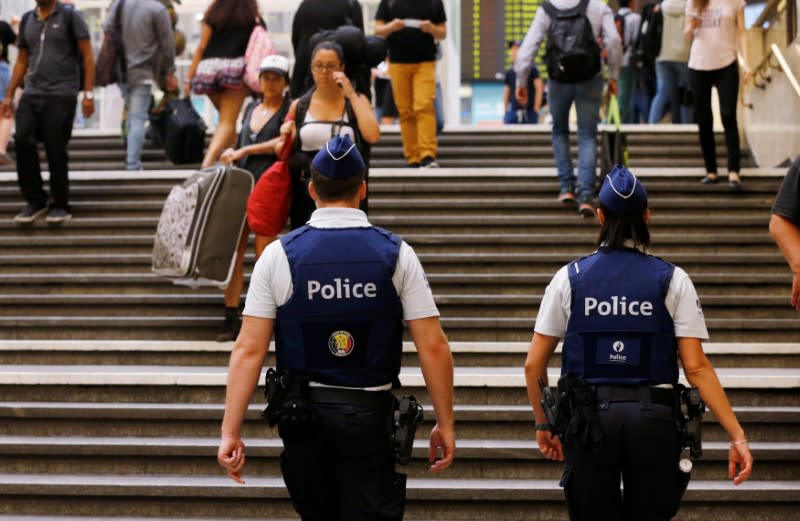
pixel 770 11
pixel 762 68
pixel 784 65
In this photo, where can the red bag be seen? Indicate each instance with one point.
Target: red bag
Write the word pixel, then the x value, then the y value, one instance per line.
pixel 268 205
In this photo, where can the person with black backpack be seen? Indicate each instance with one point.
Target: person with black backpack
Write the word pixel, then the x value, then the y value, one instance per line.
pixel 332 107
pixel 311 17
pixel 574 69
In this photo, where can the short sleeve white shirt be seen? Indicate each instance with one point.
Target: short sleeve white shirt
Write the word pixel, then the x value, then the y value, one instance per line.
pixel 681 301
pixel 714 43
pixel 271 283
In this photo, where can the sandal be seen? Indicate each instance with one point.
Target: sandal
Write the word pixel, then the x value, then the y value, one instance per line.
pixel 710 179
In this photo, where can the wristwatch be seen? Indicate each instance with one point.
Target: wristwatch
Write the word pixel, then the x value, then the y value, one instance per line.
pixel 88 95
pixel 543 427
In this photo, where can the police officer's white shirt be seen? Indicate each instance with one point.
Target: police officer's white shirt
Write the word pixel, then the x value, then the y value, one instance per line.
pixel 271 283
pixel 681 301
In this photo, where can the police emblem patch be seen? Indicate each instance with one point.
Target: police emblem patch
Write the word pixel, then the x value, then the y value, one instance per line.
pixel 341 343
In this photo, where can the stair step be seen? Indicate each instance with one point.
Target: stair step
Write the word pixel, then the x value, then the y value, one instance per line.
pixel 487 458
pixel 497 377
pixel 420 489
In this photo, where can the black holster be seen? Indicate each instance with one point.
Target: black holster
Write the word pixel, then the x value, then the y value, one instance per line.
pixel 287 399
pixel 406 416
pixel 572 412
pixel 692 408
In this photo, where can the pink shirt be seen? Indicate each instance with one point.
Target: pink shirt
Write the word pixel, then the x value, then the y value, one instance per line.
pixel 714 44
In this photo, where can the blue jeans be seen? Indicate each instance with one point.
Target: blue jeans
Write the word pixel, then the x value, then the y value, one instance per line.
pixel 670 77
pixel 137 98
pixel 586 96
pixel 5 78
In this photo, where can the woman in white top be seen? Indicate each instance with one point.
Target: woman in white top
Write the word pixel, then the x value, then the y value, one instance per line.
pixel 717 26
pixel 332 107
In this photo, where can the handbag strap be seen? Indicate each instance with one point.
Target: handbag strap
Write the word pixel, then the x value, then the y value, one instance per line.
pixel 287 146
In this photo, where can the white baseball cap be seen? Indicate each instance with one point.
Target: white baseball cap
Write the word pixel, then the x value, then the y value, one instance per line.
pixel 274 63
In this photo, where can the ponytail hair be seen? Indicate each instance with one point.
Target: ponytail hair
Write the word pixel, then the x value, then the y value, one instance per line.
pixel 620 228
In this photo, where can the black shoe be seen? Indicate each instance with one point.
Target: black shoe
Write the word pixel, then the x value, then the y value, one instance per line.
pixel 710 179
pixel 734 183
pixel 586 210
pixel 429 162
pixel 58 216
pixel 30 214
pixel 233 323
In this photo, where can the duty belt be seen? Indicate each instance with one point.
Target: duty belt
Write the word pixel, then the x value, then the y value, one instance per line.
pixel 620 393
pixel 377 400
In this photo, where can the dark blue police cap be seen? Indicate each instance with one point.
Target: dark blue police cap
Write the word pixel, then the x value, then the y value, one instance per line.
pixel 339 159
pixel 622 192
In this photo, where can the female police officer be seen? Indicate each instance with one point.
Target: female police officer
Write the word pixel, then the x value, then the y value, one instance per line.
pixel 625 317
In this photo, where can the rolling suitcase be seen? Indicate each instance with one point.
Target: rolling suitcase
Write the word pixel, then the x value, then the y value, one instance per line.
pixel 200 226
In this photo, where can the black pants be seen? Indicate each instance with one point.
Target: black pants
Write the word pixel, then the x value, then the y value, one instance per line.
pixel 47 119
pixel 641 444
pixel 341 468
pixel 727 82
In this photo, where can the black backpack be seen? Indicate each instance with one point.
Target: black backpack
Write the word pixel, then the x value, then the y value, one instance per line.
pixel 572 52
pixel 648 44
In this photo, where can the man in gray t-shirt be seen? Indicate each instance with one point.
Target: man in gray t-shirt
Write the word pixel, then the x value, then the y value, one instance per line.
pixel 150 57
pixel 55 62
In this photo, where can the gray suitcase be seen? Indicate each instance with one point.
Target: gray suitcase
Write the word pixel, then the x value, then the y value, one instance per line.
pixel 200 226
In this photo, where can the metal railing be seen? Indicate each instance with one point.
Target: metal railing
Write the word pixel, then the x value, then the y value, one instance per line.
pixel 784 66
pixel 772 61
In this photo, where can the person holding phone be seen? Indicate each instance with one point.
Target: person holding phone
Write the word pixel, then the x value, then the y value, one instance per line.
pixel 717 28
pixel 411 29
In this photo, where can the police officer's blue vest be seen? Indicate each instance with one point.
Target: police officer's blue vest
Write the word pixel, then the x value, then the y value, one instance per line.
pixel 620 331
pixel 343 324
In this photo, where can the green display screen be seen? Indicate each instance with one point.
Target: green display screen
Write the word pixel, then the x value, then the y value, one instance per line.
pixel 487 27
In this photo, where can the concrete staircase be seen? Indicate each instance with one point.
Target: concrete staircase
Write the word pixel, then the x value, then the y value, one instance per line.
pixel 111 394
pixel 525 146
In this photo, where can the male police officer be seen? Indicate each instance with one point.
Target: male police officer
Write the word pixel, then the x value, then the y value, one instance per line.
pixel 626 317
pixel 784 225
pixel 336 292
